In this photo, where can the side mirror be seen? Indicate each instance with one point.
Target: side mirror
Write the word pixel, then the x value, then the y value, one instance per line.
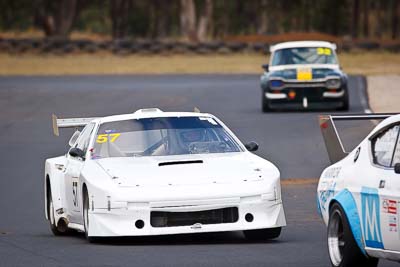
pixel 397 168
pixel 265 67
pixel 77 153
pixel 73 138
pixel 252 146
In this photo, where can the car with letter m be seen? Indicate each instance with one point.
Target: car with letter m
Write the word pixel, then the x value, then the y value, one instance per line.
pixel 358 196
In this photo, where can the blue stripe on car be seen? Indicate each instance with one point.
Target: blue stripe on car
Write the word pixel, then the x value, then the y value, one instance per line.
pixel 371 220
pixel 347 202
pixel 318 206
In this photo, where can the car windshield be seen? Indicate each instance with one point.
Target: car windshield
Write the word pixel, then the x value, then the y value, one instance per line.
pixel 304 55
pixel 162 137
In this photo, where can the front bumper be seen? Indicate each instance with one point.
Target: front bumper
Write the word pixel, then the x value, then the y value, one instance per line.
pixel 266 213
pixel 312 97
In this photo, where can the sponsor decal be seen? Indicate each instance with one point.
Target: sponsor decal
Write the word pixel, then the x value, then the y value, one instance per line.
pixel 389 206
pixel 370 217
pixel 327 194
pixel 75 193
pixel 392 223
pixel 103 138
pixel 304 74
pixel 398 218
pixel 332 173
pixel 324 51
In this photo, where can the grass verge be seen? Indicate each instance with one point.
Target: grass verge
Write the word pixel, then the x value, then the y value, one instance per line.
pixel 32 64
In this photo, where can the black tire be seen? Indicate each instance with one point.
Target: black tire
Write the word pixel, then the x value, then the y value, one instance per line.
pixel 265 105
pixel 346 102
pixel 342 247
pixel 86 222
pixel 262 234
pixel 61 228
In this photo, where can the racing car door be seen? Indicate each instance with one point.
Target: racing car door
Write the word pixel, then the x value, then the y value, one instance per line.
pixel 385 148
pixel 72 178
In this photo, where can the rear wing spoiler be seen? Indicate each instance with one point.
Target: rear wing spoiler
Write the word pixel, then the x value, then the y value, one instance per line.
pixel 333 143
pixel 68 123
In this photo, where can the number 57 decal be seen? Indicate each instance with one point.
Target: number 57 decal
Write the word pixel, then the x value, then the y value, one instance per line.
pixel 103 138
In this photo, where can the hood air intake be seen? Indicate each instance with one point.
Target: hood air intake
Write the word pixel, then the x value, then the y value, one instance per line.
pixel 179 162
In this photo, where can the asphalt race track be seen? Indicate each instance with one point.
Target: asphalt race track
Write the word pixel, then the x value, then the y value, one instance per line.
pixel 289 139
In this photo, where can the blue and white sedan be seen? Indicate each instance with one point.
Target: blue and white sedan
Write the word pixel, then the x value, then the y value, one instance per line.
pixel 359 195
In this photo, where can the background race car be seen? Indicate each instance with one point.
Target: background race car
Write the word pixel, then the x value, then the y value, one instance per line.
pixel 304 74
pixel 358 196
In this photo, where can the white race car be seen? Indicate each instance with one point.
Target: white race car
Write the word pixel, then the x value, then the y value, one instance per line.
pixel 359 195
pixel 160 173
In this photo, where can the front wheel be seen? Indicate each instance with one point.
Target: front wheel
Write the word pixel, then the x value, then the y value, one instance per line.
pixel 343 249
pixel 262 234
pixel 264 104
pixel 345 102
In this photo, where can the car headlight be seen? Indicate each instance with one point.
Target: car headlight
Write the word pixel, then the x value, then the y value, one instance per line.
pixel 333 83
pixel 276 84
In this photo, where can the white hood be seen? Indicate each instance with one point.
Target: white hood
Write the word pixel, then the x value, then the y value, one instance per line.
pixel 225 168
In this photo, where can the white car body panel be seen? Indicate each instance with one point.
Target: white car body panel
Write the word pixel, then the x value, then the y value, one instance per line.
pixel 295 44
pixel 375 196
pixel 122 190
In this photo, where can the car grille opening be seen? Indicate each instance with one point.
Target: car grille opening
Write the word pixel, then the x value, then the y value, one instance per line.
pixel 216 216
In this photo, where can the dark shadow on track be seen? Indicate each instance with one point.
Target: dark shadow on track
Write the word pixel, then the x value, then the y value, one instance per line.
pixel 218 238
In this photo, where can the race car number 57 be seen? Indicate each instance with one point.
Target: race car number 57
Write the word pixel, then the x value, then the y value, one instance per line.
pixel 102 138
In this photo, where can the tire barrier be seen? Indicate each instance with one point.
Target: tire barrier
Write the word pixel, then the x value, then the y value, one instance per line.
pixel 127 46
pixel 391 47
pixel 368 45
